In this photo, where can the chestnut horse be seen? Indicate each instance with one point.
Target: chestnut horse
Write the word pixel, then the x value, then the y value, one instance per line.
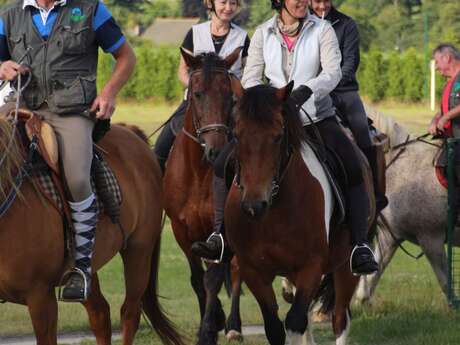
pixel 188 181
pixel 275 217
pixel 32 243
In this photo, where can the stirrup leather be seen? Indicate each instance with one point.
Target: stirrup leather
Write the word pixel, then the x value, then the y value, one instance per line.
pixel 65 277
pixel 217 261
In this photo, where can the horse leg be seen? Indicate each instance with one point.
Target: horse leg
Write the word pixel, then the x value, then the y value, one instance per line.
pixel 234 319
pixel 196 267
pixel 307 283
pixel 137 264
pixel 99 313
pixel 384 251
pixel 344 287
pixel 265 296
pixel 214 318
pixel 436 255
pixel 287 290
pixel 43 311
pixel 197 281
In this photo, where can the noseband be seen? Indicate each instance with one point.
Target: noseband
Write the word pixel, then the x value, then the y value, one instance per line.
pixel 213 127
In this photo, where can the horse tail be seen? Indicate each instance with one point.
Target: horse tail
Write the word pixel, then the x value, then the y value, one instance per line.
pixel 164 327
pixel 326 294
pixel 139 132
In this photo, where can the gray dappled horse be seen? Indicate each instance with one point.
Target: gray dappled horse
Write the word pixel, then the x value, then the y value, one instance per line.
pixel 417 210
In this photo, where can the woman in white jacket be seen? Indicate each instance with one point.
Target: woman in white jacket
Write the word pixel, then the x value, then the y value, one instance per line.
pixel 296 46
pixel 217 35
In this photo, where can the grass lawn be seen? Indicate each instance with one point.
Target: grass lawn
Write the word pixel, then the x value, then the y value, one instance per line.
pixel 409 307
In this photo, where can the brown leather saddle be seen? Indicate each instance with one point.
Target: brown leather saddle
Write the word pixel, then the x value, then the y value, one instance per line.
pixel 44 135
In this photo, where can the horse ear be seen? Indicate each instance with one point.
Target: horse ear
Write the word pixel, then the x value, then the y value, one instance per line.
pixel 237 88
pixel 191 61
pixel 283 93
pixel 230 60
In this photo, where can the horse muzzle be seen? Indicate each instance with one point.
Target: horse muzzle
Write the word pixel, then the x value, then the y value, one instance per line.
pixel 254 209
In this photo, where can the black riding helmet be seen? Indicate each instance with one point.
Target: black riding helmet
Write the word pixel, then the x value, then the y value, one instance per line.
pixel 277 4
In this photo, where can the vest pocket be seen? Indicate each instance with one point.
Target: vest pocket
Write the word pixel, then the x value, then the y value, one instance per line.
pixel 73 95
pixel 73 40
pixel 19 49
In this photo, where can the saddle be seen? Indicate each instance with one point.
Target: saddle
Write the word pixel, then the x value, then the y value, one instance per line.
pixel 45 170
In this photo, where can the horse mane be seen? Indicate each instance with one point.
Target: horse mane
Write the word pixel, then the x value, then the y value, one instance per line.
pixel 258 104
pixel 139 132
pixel 13 158
pixel 209 62
pixel 396 133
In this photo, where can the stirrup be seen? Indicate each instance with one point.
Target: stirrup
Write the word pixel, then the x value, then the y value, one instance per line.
pixel 364 245
pixel 217 261
pixel 65 277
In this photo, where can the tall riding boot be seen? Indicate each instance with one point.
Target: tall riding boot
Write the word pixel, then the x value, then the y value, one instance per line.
pixel 381 201
pixel 84 217
pixel 362 259
pixel 215 248
pixel 163 145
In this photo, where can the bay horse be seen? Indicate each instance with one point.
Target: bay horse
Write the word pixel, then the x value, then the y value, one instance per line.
pixel 32 245
pixel 411 180
pixel 188 182
pixel 275 218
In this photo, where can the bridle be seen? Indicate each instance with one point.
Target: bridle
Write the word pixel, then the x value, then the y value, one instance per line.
pixel 282 165
pixel 213 127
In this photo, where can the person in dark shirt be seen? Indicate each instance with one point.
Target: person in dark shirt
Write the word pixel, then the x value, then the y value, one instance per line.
pixel 345 96
pixel 218 35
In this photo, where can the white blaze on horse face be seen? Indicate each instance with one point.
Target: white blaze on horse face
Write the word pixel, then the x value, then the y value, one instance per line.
pixel 342 339
pixel 314 166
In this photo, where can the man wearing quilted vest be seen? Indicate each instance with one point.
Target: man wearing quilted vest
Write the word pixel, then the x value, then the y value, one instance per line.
pixel 58 42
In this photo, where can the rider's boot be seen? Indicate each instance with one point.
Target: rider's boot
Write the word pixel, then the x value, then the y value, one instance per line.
pixel 362 259
pixel 84 217
pixel 381 201
pixel 163 145
pixel 215 249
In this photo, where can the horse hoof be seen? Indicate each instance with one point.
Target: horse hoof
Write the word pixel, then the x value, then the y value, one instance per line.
pixel 288 296
pixel 318 317
pixel 233 335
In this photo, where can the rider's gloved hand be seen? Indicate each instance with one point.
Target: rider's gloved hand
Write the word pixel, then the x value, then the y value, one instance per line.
pixel 298 97
pixel 9 70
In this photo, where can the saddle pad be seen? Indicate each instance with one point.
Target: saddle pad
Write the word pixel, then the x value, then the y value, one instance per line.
pixel 317 170
pixel 42 176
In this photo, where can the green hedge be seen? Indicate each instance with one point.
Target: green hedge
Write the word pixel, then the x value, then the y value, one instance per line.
pixel 399 76
pixel 155 75
pixel 395 75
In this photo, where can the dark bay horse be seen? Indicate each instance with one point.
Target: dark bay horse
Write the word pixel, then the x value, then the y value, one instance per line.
pixel 32 243
pixel 275 218
pixel 188 181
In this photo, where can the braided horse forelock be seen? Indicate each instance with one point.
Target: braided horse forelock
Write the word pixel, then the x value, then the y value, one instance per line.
pixel 13 158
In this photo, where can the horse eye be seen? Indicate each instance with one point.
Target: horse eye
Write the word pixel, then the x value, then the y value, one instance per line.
pixel 197 94
pixel 278 139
